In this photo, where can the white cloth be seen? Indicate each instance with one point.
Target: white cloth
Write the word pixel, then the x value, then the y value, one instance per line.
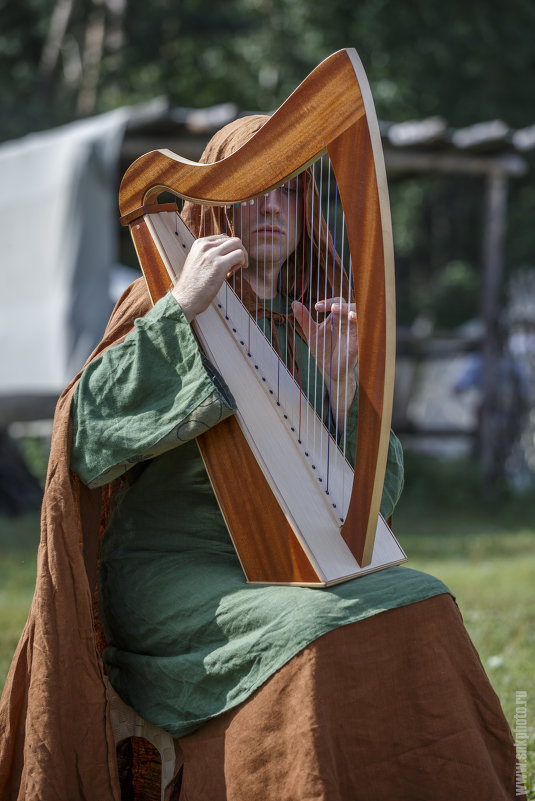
pixel 59 234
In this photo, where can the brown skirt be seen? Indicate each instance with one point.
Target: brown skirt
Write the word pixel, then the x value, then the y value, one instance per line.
pixel 395 707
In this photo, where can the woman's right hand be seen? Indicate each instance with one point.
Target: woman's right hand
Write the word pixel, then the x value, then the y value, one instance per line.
pixel 210 260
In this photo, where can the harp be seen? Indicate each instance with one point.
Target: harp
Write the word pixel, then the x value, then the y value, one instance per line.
pixel 296 510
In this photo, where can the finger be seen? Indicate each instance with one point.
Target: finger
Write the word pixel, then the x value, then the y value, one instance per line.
pixel 214 239
pixel 217 245
pixel 228 244
pixel 233 249
pixel 344 312
pixel 350 314
pixel 336 305
pixel 303 317
pixel 326 305
pixel 206 244
pixel 343 308
pixel 220 245
pixel 233 261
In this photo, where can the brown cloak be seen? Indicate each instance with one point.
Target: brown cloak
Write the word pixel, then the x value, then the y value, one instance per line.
pixel 397 705
pixel 55 740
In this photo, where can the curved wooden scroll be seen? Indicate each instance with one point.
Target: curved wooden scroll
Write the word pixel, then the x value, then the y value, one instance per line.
pixel 331 111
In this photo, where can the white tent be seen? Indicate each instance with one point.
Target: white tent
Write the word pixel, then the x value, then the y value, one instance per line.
pixel 58 233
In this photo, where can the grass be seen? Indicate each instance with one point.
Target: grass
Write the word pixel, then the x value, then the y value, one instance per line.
pixel 481 544
pixel 19 538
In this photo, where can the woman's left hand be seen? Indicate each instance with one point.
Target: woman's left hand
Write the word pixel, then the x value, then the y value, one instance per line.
pixel 333 344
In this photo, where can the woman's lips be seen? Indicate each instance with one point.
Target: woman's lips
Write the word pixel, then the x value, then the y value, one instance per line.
pixel 267 230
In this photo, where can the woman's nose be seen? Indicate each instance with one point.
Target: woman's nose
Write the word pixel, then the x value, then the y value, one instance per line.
pixel 271 203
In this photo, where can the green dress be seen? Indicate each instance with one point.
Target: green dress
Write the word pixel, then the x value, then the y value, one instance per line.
pixel 188 637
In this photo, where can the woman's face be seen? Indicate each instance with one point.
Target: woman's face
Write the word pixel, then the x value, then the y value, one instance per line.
pixel 271 226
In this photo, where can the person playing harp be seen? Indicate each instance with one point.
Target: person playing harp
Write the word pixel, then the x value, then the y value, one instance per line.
pixel 370 688
pixel 190 645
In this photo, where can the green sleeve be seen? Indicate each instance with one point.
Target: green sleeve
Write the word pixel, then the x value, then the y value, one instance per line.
pixel 394 464
pixel 144 396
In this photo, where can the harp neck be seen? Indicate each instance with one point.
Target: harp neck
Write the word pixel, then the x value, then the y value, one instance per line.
pixel 327 103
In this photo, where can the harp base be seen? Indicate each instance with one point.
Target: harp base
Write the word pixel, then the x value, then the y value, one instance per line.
pixel 386 553
pixel 271 548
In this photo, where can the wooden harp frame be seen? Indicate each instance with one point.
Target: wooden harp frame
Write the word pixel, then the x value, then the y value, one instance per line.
pixel 330 112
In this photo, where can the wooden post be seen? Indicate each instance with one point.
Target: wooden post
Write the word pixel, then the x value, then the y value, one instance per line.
pixel 492 251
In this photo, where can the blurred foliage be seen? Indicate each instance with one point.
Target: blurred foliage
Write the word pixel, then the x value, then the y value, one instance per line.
pixel 467 62
pixel 437 224
pixel 455 496
pixel 35 451
pixel 453 297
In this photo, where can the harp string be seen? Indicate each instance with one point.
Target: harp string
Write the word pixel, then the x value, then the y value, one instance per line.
pixel 319 233
pixel 313 200
pixel 318 273
pixel 303 236
pixel 341 294
pixel 325 295
pixel 331 343
pixel 225 229
pixel 253 317
pixel 280 292
pixel 292 200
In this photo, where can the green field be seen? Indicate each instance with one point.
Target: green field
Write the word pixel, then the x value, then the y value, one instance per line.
pixel 482 545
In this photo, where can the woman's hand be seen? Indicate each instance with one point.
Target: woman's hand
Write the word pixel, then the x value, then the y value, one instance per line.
pixel 334 345
pixel 210 260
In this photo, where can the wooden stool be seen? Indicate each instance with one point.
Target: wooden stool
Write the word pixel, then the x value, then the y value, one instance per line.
pixel 126 723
